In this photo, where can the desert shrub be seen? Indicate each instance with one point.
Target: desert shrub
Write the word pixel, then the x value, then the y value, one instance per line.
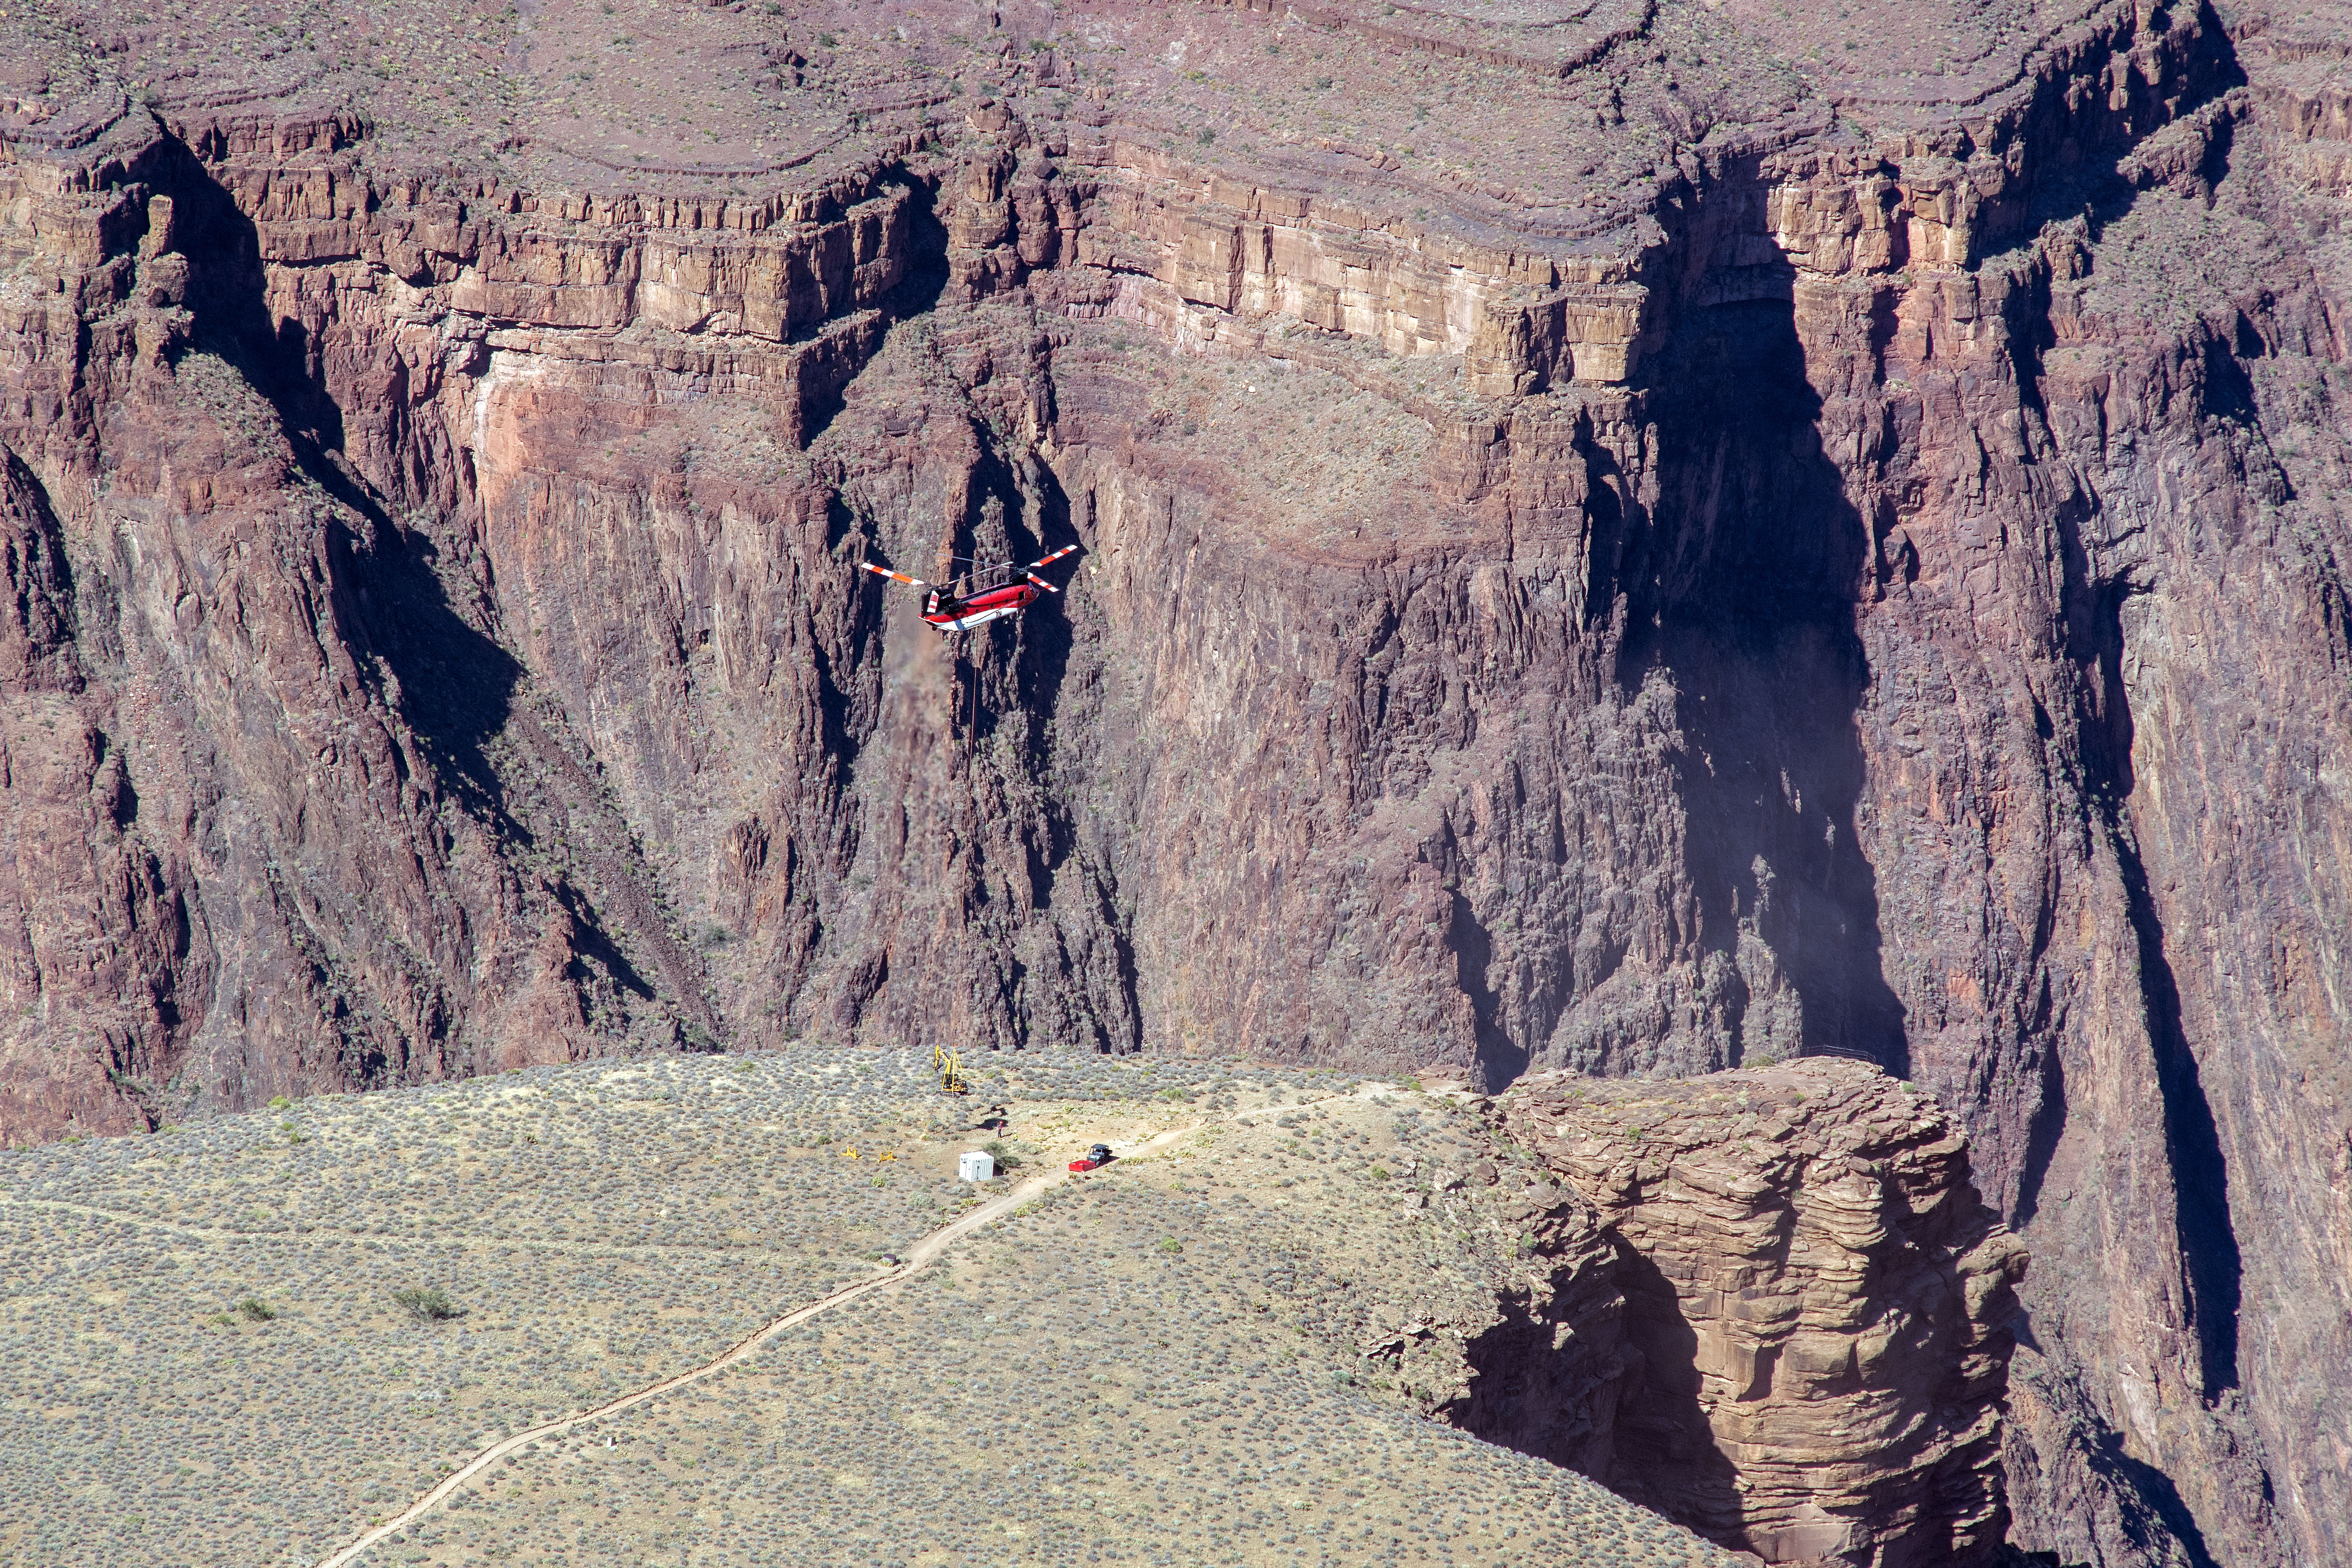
pixel 427 1303
pixel 254 1309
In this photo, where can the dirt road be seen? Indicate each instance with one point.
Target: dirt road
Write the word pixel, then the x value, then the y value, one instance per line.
pixel 920 1254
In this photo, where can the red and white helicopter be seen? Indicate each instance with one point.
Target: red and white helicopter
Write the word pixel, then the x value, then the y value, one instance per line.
pixel 982 594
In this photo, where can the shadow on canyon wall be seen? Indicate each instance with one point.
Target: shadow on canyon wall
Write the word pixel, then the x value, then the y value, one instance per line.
pixel 2201 1225
pixel 1666 1454
pixel 826 377
pixel 386 599
pixel 2094 190
pixel 1611 1395
pixel 1742 586
pixel 453 684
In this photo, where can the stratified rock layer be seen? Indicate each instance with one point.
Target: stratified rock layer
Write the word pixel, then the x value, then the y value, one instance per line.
pixel 1637 539
pixel 1820 1303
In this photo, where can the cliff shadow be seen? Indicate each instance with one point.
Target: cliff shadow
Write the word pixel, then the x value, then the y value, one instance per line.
pixel 1026 664
pixel 1500 1058
pixel 1664 1457
pixel 1742 585
pixel 2157 1491
pixel 1550 1395
pixel 2094 190
pixel 1031 653
pixel 2043 1131
pixel 423 658
pixel 1610 1395
pixel 452 683
pixel 2202 1229
pixel 823 388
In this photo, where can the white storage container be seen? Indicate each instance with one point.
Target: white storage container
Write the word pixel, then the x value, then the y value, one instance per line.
pixel 977 1166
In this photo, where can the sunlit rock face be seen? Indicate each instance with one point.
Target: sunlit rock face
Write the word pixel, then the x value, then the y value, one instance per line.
pixel 1813 1303
pixel 1636 540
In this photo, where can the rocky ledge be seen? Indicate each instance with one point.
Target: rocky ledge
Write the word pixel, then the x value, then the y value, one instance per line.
pixel 1777 1311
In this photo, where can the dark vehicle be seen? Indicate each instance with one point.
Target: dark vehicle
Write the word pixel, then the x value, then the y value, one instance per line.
pixel 1095 1158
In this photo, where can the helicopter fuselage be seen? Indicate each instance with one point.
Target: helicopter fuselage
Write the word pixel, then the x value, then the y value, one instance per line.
pixel 993 605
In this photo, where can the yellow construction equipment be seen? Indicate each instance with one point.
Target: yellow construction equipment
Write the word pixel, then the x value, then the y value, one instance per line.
pixel 949 1067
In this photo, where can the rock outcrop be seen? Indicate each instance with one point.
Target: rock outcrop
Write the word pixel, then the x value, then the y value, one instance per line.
pixel 1819 1305
pixel 1550 1366
pixel 1640 541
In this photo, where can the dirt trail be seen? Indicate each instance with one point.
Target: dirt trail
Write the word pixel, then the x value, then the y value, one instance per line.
pixel 922 1253
pixel 441 1238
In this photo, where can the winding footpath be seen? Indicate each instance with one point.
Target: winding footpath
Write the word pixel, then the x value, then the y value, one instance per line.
pixel 923 1253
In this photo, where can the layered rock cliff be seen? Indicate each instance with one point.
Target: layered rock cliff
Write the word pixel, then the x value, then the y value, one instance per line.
pixel 1817 1305
pixel 1627 539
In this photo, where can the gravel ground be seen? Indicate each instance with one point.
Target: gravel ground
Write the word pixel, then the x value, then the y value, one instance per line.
pixel 1187 1359
pixel 596 1227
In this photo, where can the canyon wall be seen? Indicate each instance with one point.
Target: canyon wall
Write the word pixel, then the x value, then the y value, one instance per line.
pixel 1882 598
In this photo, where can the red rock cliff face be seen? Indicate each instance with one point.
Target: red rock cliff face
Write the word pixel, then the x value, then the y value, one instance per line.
pixel 1879 594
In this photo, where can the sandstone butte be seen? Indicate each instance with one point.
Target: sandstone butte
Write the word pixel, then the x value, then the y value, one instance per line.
pixel 1631 539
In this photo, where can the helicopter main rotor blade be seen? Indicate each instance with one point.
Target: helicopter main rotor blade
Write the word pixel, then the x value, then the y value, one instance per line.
pixel 1049 560
pixel 893 576
pixel 1041 582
